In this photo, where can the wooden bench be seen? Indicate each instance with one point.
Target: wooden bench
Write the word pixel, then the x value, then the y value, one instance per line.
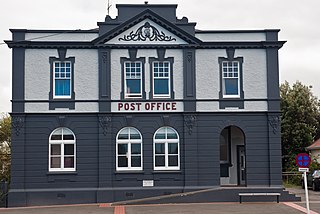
pixel 260 194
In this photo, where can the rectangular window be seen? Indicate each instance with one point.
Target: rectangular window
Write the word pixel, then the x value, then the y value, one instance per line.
pixel 62 79
pixel 230 72
pixel 161 79
pixel 133 79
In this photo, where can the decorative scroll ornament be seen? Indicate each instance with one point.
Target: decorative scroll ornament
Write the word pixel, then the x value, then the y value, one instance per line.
pixel 105 123
pixel 17 124
pixel 190 121
pixel 147 31
pixel 274 122
pixel 104 57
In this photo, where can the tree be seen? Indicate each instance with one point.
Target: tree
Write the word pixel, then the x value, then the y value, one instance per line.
pixel 5 147
pixel 299 121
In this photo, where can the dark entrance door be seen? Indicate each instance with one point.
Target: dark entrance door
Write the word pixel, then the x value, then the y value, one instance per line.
pixel 241 165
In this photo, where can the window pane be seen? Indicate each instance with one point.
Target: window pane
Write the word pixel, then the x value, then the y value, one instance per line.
pixel 56 137
pixel 136 161
pixel 133 86
pixel 69 162
pixel 160 161
pixel 136 148
pixel 134 134
pixel 124 134
pixel 55 149
pixel 231 86
pixel 173 148
pixel 68 137
pixel 159 148
pixel 122 161
pixel 55 162
pixel 122 149
pixel 173 160
pixel 171 134
pixel 161 134
pixel 161 86
pixel 62 87
pixel 68 149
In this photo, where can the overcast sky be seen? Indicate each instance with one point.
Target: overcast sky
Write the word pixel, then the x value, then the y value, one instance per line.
pixel 298 21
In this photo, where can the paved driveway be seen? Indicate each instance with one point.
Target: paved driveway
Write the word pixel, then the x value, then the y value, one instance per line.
pixel 314 198
pixel 205 208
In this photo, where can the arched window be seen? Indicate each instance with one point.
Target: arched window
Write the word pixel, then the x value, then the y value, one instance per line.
pixel 129 149
pixel 166 149
pixel 62 150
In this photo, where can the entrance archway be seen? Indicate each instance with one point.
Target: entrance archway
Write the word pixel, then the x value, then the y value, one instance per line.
pixel 232 157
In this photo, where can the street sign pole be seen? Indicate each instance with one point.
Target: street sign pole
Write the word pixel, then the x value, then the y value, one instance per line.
pixel 306 190
pixel 303 161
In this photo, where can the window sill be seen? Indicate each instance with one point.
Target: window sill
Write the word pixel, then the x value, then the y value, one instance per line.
pixel 166 171
pixel 129 171
pixel 62 173
pixel 231 97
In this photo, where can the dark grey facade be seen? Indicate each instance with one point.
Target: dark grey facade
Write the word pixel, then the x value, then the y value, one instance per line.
pixel 198 119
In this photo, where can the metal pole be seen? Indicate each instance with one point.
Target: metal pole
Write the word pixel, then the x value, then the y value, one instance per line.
pixel 306 191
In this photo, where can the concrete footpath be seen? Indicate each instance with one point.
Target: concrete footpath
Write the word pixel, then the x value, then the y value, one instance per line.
pixel 203 208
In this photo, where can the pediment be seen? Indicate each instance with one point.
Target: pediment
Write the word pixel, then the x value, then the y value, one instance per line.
pixel 147 32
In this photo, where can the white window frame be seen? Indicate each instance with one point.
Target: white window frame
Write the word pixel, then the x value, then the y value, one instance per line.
pixel 168 78
pixel 230 75
pixel 132 95
pixel 166 142
pixel 62 142
pixel 54 80
pixel 129 155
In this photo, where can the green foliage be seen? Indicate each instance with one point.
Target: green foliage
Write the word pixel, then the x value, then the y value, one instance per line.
pixel 314 164
pixel 299 121
pixel 5 147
